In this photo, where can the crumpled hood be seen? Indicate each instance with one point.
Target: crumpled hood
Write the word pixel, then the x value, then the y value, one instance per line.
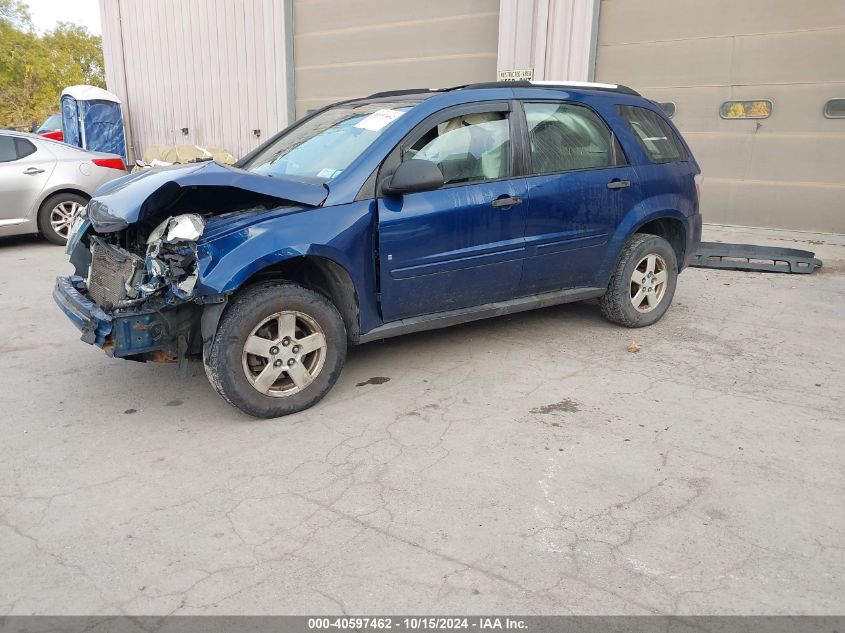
pixel 221 225
pixel 126 200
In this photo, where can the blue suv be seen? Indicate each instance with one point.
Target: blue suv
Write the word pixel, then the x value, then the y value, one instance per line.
pixel 371 218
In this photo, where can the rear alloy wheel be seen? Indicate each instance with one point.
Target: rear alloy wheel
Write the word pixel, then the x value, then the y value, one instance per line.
pixel 279 349
pixel 643 283
pixel 56 216
pixel 648 283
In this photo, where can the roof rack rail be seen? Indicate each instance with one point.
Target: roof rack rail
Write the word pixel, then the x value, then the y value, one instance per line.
pixel 399 93
pixel 584 85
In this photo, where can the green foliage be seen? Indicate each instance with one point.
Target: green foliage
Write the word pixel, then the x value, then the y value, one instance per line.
pixel 34 69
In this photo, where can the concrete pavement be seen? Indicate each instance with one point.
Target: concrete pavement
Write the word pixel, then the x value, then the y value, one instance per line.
pixel 527 464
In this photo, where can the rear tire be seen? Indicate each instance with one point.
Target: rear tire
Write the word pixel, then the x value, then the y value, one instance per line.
pixel 56 215
pixel 279 348
pixel 643 283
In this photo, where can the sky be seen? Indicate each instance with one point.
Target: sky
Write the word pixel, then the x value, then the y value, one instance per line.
pixel 45 13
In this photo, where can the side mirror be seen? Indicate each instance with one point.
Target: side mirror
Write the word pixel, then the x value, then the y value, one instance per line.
pixel 412 176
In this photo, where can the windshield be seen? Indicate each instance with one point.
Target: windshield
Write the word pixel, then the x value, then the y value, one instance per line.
pixel 52 124
pixel 322 147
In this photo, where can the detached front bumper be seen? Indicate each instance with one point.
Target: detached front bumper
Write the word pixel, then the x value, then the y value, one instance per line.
pixel 119 335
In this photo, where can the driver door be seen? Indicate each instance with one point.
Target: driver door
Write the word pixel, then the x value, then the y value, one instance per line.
pixel 460 245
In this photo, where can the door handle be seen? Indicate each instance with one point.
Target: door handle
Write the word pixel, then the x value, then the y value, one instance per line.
pixel 506 202
pixel 618 184
pixel 32 171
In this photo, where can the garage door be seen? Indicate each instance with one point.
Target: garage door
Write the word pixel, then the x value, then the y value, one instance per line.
pixel 755 86
pixel 358 47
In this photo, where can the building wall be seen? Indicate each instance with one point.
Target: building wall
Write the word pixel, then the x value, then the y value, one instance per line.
pixel 216 67
pixel 552 37
pixel 785 171
pixel 223 68
pixel 357 47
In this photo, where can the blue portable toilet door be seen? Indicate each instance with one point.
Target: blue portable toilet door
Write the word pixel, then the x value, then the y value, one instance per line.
pixel 70 121
pixel 102 127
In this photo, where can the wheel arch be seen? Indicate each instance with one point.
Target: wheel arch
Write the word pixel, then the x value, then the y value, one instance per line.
pixel 321 274
pixel 671 229
pixel 665 220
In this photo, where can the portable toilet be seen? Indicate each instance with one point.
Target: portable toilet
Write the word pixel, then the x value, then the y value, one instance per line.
pixel 92 119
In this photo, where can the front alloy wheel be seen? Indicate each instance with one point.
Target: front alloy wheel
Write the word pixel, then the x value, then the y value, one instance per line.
pixel 284 353
pixel 279 348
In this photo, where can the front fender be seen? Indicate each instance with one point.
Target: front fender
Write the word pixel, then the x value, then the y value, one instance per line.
pixel 225 274
pixel 342 234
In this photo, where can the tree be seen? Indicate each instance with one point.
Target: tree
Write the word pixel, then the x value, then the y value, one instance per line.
pixel 16 13
pixel 35 69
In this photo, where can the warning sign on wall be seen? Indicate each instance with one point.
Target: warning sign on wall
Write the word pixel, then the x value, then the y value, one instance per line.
pixel 526 74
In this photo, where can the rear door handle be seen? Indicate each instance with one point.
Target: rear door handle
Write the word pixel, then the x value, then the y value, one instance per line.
pixel 618 184
pixel 506 202
pixel 32 171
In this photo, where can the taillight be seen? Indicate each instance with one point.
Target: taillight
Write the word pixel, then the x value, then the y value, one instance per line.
pixel 699 179
pixel 111 163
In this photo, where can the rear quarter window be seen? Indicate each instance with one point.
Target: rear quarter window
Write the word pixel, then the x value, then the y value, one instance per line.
pixel 657 138
pixel 24 147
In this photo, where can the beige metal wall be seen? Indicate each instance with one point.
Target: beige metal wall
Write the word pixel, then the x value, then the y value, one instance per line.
pixel 786 171
pixel 352 48
pixel 216 67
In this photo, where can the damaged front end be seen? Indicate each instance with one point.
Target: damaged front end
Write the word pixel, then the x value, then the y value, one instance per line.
pixel 137 288
pixel 139 306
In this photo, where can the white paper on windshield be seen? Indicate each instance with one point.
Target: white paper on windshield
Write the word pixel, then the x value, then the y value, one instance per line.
pixel 378 119
pixel 328 172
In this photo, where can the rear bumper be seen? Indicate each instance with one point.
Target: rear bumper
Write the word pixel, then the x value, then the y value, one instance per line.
pixel 87 316
pixel 131 334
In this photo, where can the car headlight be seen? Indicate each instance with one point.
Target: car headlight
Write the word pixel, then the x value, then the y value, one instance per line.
pixel 179 228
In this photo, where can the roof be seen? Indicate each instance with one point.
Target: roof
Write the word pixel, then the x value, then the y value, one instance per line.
pixel 89 93
pixel 6 132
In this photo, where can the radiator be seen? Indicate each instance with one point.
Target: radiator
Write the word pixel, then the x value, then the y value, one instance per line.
pixel 114 274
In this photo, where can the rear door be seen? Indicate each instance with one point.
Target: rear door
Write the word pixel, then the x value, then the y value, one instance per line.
pixel 24 171
pixel 579 186
pixel 460 245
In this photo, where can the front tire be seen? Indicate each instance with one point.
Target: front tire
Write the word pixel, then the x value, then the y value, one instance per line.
pixel 279 348
pixel 643 283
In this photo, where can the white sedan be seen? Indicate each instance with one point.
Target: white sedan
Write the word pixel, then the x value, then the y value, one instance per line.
pixel 44 183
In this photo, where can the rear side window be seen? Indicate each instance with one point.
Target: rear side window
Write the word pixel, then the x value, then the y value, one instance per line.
pixel 14 148
pixel 8 152
pixel 657 138
pixel 567 137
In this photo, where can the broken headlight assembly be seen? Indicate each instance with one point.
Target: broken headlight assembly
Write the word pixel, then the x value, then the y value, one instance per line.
pixel 172 255
pixel 118 278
